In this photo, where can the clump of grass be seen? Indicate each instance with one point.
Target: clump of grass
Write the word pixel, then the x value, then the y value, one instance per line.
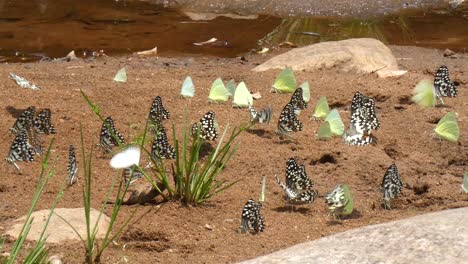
pixel 39 252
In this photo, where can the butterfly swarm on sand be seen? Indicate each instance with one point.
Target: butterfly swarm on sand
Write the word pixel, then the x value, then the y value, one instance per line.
pixel 363 121
pixel 110 137
pixel 206 128
pixel 443 85
pixel 72 168
pixel 251 219
pixel 20 149
pixel 298 187
pixel 288 121
pixel 391 185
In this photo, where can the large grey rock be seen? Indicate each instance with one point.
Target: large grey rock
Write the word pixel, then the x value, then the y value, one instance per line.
pixel 58 230
pixel 363 55
pixel 440 237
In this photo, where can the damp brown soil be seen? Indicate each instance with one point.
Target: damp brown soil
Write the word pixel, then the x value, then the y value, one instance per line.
pixel 172 233
pixel 34 30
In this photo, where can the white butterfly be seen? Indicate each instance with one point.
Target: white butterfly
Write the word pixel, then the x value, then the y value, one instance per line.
pixel 126 158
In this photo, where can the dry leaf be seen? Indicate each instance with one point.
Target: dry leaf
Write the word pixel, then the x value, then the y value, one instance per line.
pixel 150 52
pixel 205 42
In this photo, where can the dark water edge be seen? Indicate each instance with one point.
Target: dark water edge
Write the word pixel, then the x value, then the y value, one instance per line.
pixel 33 30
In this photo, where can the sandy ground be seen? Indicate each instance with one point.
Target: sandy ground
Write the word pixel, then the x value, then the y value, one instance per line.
pixel 171 233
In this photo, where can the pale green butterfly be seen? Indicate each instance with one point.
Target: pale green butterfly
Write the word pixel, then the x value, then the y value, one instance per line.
pixel 262 194
pixel 321 109
pixel 465 182
pixel 424 94
pixel 305 91
pixel 324 131
pixel 285 82
pixel 218 92
pixel 121 76
pixel 447 127
pixel 340 201
pixel 188 89
pixel 242 96
pixel 336 124
pixel 231 87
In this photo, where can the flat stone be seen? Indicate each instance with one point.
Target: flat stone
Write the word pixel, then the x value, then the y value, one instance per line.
pixel 363 55
pixel 440 237
pixel 58 230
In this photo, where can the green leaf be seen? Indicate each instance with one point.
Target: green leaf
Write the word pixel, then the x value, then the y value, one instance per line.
pixel 121 76
pixel 285 82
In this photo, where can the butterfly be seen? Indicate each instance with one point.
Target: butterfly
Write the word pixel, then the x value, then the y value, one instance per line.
pixel 251 218
pixel 443 86
pixel 447 127
pixel 391 185
pixel 207 127
pixel 161 149
pixel 295 197
pixel 339 200
pixel 352 138
pixel 42 123
pixel 20 149
pixel 157 111
pixel 333 125
pixel 218 92
pixel 121 76
pixel 188 89
pixel 363 113
pixel 285 82
pixel 242 96
pixel 110 137
pixel 305 91
pixel 297 101
pixel 288 121
pixel 131 174
pixel 296 176
pixel 72 168
pixel 262 116
pixel 465 182
pixel 25 120
pixel 321 109
pixel 424 94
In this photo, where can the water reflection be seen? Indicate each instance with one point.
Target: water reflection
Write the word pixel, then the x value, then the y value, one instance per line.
pixel 425 29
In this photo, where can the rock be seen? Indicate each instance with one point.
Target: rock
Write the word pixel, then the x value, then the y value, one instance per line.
pixel 440 237
pixel 58 230
pixel 55 260
pixel 364 55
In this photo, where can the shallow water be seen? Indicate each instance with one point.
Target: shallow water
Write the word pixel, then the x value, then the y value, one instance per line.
pixel 31 30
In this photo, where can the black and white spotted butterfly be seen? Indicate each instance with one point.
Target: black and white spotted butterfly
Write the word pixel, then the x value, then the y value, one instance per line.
pixel 251 219
pixel 262 116
pixel 391 185
pixel 131 174
pixel 110 137
pixel 288 121
pixel 363 114
pixel 353 138
pixel 296 176
pixel 161 149
pixel 42 123
pixel 297 101
pixel 72 168
pixel 25 120
pixel 443 85
pixel 207 127
pixel 20 149
pixel 157 111
pixel 296 197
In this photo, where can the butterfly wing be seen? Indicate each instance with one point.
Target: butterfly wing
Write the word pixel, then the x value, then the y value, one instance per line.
pixel 188 89
pixel 72 168
pixel 285 82
pixel 207 127
pixel 297 101
pixel 336 124
pixel 288 121
pixel 231 87
pixel 448 130
pixel 443 85
pixel 25 120
pixel 305 91
pixel 465 182
pixel 321 109
pixel 242 96
pixel 218 92
pixel 424 94
pixel 121 76
pixel 324 131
